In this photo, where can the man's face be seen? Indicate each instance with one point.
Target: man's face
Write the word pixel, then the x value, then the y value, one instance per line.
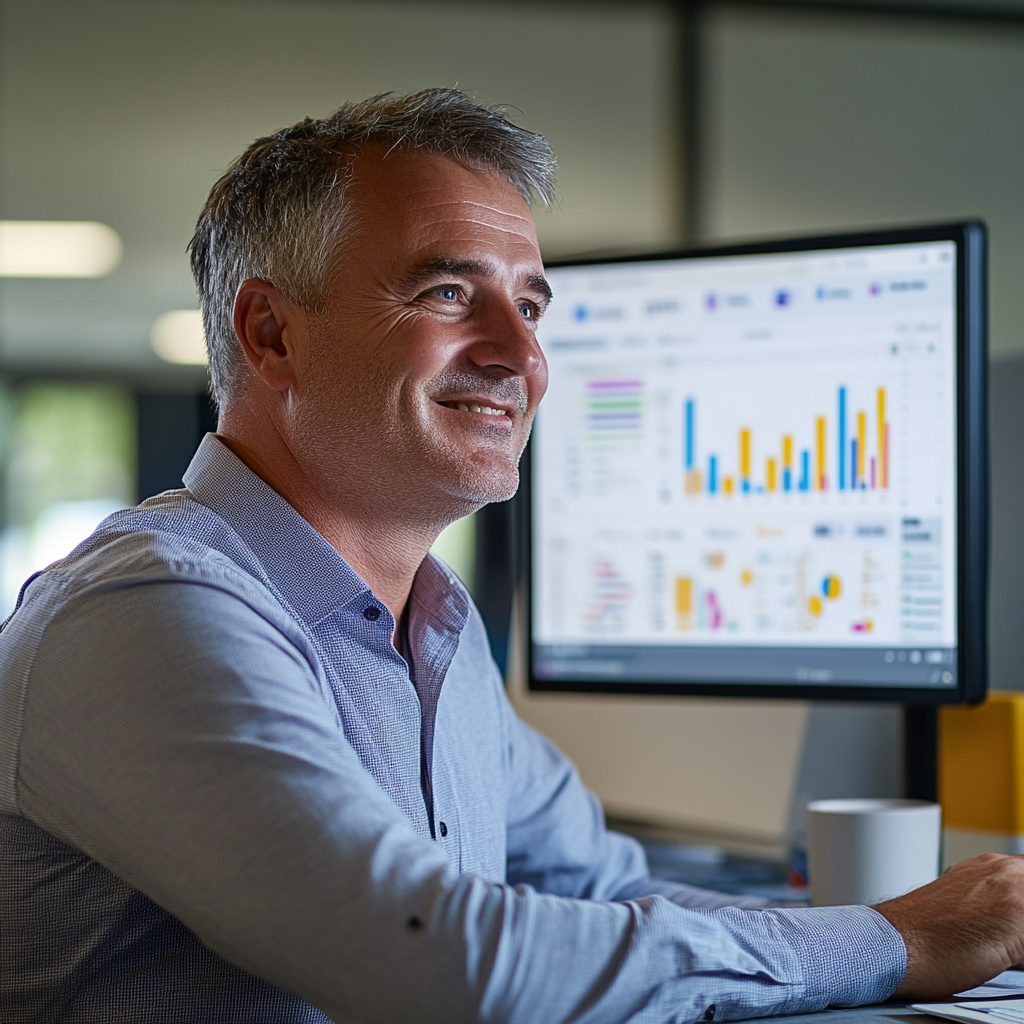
pixel 424 375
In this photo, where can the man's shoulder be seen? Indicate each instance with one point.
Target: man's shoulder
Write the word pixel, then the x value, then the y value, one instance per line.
pixel 171 538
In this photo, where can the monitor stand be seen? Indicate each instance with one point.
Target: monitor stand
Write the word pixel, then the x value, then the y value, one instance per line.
pixel 921 752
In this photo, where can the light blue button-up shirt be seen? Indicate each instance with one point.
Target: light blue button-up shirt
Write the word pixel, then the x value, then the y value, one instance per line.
pixel 212 808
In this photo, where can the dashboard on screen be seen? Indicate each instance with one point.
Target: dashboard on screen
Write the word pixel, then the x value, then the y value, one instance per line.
pixel 763 470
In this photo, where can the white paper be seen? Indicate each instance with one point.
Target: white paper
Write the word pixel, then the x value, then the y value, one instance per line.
pixel 1009 983
pixel 993 1011
pixel 953 1011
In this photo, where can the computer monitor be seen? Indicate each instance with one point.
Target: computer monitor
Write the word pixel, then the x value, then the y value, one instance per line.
pixel 761 470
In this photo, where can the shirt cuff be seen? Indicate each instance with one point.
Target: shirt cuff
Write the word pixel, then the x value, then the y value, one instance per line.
pixel 850 956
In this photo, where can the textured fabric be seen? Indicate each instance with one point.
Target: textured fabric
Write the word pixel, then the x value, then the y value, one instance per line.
pixel 212 809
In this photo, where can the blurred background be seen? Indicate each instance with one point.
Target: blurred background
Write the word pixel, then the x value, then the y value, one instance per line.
pixel 674 123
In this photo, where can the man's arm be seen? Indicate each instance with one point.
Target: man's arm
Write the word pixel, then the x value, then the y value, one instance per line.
pixel 557 840
pixel 174 735
pixel 960 931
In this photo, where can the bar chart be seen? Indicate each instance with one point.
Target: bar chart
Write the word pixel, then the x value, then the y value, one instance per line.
pixel 849 451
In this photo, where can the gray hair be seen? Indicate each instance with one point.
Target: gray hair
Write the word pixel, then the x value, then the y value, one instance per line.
pixel 279 212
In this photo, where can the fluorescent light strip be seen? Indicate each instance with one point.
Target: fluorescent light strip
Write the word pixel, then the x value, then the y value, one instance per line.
pixel 57 248
pixel 178 337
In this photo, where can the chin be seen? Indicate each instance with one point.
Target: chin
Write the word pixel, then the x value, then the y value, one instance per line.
pixel 481 486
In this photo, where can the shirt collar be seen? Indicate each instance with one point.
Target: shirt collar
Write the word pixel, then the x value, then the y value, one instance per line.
pixel 307 572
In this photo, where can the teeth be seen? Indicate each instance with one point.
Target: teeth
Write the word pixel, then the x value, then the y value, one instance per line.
pixel 485 409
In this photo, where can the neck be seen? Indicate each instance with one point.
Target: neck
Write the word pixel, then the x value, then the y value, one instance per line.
pixel 383 548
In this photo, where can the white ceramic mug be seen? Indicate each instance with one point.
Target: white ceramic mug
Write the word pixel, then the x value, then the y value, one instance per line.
pixel 864 851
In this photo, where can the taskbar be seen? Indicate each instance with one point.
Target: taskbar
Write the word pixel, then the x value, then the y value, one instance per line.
pixel 825 666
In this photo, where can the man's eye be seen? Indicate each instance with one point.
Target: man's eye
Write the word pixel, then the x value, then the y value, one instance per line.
pixel 528 311
pixel 447 293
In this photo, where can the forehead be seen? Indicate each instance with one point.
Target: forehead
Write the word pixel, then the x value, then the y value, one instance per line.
pixel 408 205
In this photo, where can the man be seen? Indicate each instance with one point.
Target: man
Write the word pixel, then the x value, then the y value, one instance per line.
pixel 257 763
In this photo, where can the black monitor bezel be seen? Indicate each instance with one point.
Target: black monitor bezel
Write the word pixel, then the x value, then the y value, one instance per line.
pixel 970 238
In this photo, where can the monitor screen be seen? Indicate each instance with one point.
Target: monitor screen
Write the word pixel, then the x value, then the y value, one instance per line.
pixel 762 470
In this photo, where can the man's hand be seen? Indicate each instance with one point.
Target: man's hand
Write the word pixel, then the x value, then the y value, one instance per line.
pixel 962 929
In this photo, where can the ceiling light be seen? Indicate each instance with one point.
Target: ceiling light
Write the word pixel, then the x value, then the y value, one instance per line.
pixel 57 248
pixel 178 337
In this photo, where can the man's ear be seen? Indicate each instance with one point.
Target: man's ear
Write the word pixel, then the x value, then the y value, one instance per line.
pixel 271 330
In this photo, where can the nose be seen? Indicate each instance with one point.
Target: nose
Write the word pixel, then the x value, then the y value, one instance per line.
pixel 506 343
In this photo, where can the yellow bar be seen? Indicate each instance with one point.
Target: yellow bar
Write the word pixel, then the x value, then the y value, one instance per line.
pixel 861 435
pixel 769 474
pixel 820 476
pixel 883 453
pixel 727 484
pixel 684 601
pixel 787 450
pixel 745 453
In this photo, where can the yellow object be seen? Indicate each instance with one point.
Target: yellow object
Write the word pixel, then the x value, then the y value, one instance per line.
pixel 822 482
pixel 883 454
pixel 832 587
pixel 814 605
pixel 684 601
pixel 981 765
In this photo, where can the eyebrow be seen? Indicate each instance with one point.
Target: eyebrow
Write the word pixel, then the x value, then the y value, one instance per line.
pixel 431 269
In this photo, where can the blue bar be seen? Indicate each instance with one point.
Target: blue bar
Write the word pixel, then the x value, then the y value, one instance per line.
pixel 689 433
pixel 746 486
pixel 787 479
pixel 842 439
pixel 712 474
pixel 854 483
pixel 805 463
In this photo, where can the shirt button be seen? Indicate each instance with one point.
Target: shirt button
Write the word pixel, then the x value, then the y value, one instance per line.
pixel 443 830
pixel 371 613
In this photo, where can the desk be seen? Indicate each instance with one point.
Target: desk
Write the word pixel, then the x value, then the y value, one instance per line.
pixel 881 1013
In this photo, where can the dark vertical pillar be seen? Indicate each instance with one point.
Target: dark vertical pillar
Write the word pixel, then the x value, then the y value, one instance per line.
pixel 921 751
pixel 690 17
pixel 493 581
pixel 170 426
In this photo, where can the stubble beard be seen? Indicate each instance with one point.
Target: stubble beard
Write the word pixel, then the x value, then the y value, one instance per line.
pixel 367 448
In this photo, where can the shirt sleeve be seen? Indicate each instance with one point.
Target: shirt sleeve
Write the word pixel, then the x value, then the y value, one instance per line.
pixel 558 842
pixel 176 735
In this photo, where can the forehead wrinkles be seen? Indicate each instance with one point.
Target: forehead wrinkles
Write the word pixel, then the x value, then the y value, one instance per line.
pixel 443 213
pixel 426 205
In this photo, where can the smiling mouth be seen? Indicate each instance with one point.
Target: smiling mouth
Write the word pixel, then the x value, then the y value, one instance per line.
pixel 487 410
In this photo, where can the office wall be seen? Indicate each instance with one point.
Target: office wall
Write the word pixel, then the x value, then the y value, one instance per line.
pixel 818 120
pixel 1006 604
